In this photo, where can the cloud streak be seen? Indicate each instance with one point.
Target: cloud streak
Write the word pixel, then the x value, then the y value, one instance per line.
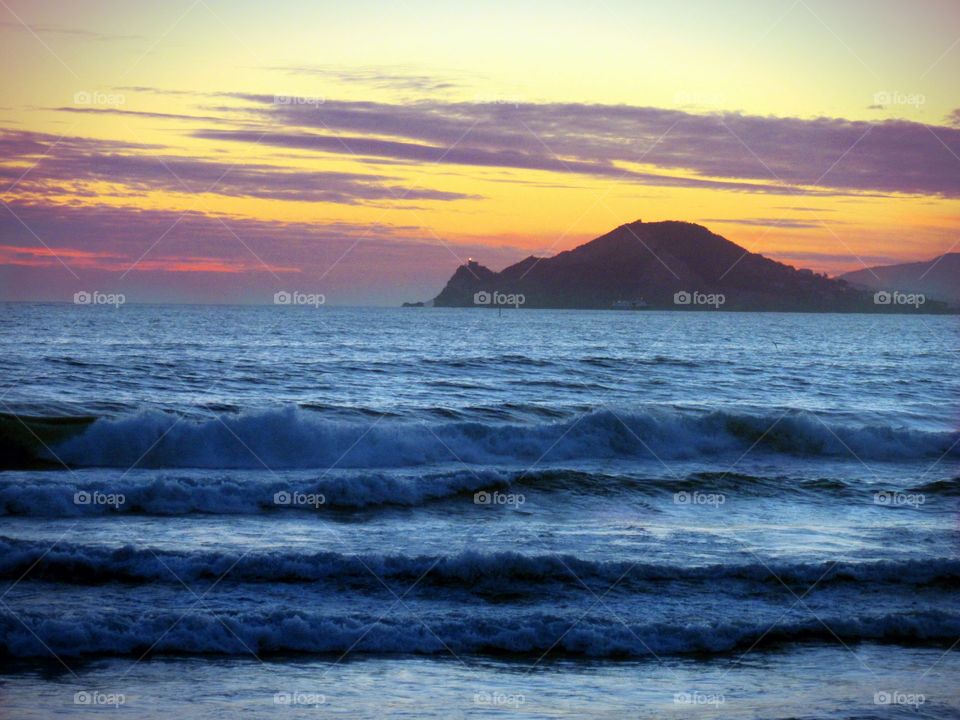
pixel 380 78
pixel 729 151
pixel 60 164
pixel 128 250
pixel 786 223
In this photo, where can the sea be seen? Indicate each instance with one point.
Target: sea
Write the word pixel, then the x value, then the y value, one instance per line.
pixel 311 511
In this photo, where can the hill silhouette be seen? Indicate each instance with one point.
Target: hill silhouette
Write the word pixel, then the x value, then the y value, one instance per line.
pixel 661 265
pixel 937 279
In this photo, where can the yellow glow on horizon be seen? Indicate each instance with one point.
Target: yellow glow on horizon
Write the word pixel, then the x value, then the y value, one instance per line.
pixel 757 58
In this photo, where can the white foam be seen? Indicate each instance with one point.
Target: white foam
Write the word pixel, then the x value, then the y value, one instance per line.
pixel 195 632
pixel 86 563
pixel 295 438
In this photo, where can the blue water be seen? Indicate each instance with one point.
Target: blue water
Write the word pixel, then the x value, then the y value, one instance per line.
pixel 451 513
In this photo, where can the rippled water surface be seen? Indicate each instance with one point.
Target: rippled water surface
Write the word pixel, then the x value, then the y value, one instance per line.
pixel 439 513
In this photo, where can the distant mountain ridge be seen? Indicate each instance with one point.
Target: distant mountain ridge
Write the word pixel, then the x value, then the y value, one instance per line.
pixel 937 279
pixel 667 265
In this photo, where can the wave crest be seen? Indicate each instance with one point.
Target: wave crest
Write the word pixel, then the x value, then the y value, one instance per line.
pixel 490 571
pixel 296 438
pixel 160 632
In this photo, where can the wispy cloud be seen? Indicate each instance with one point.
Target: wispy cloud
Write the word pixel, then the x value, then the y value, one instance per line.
pixel 786 223
pixel 61 164
pixel 854 260
pixel 377 77
pixel 417 153
pixel 640 145
pixel 139 114
pixel 725 151
pixel 71 32
pixel 132 249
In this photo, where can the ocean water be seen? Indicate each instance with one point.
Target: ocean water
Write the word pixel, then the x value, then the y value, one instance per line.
pixel 454 513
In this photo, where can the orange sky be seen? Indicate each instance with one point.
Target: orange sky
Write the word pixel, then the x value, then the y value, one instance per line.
pixel 365 150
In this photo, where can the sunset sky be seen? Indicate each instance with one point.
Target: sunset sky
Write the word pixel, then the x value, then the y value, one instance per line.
pixel 202 150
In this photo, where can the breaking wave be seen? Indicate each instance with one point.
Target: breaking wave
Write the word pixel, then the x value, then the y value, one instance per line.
pixel 160 632
pixel 296 438
pixel 500 570
pixel 180 493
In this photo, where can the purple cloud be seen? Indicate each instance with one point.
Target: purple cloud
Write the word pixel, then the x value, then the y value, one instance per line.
pixel 788 223
pixel 137 114
pixel 79 160
pixel 49 251
pixel 889 156
pixel 374 77
pixel 362 147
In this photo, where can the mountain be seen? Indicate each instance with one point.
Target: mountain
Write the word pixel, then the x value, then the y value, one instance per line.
pixel 667 265
pixel 937 279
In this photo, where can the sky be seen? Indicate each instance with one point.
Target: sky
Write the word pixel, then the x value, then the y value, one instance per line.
pixel 213 151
